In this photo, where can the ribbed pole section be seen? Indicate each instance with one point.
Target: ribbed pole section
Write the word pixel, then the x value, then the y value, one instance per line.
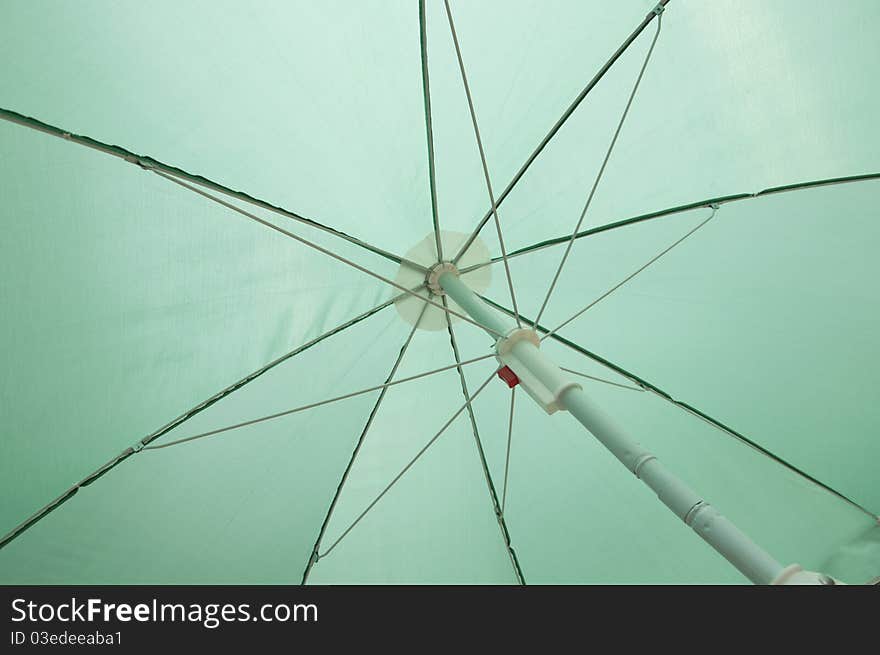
pixel 719 532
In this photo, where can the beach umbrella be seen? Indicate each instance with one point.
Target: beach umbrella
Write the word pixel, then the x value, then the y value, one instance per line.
pixel 386 292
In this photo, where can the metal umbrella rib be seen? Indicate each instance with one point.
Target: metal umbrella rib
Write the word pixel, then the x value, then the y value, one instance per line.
pixel 654 13
pixel 183 418
pixel 314 246
pixel 145 161
pixel 678 209
pixel 611 145
pixel 302 408
pixel 492 201
pixel 632 275
pixel 360 442
pixel 406 468
pixel 493 495
pixel 429 129
pixel 507 450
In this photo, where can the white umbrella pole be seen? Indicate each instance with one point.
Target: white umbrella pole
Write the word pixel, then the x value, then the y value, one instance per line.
pixel 551 388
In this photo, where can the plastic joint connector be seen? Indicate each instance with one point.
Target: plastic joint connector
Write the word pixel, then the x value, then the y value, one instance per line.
pixel 540 378
pixel 794 574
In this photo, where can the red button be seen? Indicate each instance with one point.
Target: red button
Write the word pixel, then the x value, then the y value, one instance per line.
pixel 508 376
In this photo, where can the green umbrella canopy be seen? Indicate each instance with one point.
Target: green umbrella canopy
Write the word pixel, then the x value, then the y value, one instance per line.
pixel 139 310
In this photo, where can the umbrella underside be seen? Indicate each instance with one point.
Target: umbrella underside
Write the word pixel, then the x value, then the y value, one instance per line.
pixel 252 259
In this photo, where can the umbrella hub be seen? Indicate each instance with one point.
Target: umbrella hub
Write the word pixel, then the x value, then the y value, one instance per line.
pixel 473 266
pixel 432 279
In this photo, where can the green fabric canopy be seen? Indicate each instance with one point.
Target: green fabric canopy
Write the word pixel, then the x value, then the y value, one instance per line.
pixel 137 309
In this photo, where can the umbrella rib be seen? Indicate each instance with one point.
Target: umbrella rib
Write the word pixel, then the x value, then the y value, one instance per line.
pixel 91 477
pixel 493 203
pixel 631 275
pixel 147 162
pixel 707 203
pixel 729 431
pixel 559 123
pixel 592 193
pixel 263 369
pixel 493 495
pixel 318 248
pixel 507 453
pixel 357 448
pixel 408 466
pixel 302 408
pixel 429 129
pixel 602 380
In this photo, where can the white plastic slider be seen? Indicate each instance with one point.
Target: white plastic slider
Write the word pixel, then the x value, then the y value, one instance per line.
pixel 539 377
